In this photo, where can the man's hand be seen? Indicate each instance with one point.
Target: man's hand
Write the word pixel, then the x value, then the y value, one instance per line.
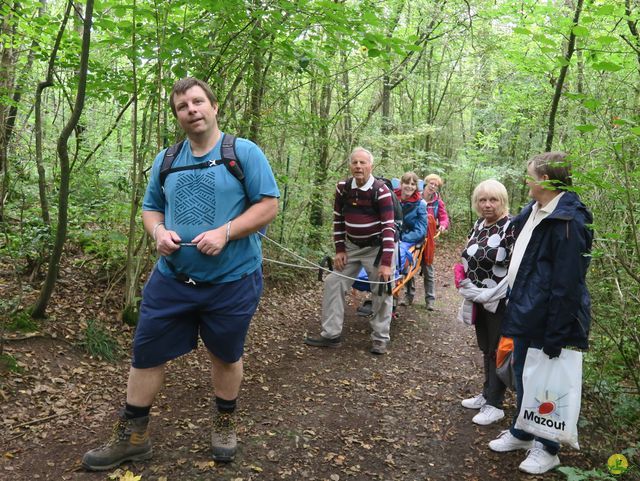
pixel 211 242
pixel 552 351
pixel 167 241
pixel 384 272
pixel 339 261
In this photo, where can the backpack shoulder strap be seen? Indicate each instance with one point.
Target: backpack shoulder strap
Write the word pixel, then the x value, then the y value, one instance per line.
pixel 346 188
pixel 229 157
pixel 169 156
pixel 435 206
pixel 377 184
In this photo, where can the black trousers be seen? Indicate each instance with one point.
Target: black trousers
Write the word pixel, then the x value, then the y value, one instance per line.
pixel 488 326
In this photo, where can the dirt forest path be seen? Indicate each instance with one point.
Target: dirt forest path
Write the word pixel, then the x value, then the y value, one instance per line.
pixel 305 413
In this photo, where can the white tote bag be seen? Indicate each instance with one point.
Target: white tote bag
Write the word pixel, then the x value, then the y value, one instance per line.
pixel 552 393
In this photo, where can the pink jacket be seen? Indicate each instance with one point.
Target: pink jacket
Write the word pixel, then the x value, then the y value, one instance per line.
pixel 436 208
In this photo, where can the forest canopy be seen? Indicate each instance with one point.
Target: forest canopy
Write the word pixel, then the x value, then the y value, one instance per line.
pixel 468 90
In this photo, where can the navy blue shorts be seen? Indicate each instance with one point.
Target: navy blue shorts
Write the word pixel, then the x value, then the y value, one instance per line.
pixel 173 314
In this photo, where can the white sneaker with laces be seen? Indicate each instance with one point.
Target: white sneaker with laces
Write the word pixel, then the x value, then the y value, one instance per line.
pixel 508 442
pixel 487 415
pixel 539 460
pixel 475 402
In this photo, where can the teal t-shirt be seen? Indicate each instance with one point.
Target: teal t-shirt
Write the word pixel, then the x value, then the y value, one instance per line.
pixel 198 200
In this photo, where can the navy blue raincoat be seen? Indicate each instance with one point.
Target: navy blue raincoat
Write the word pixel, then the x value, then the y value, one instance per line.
pixel 549 302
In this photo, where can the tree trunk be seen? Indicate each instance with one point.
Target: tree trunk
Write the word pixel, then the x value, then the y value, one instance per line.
pixel 47 82
pixel 633 28
pixel 7 69
pixel 39 309
pixel 321 165
pixel 430 117
pixel 258 75
pixel 347 122
pixel 560 82
pixel 132 269
pixel 385 128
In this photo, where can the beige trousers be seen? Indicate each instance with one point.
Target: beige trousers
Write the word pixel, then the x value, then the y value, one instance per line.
pixel 336 287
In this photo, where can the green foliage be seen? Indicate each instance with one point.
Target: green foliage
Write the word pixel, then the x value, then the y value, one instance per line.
pixel 9 363
pixel 577 474
pixel 106 247
pixel 29 244
pixel 23 322
pixel 131 313
pixel 98 342
pixel 469 95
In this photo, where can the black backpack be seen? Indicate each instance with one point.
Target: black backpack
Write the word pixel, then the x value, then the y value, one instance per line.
pixel 398 213
pixel 229 159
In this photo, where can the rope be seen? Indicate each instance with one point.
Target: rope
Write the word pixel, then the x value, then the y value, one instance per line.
pixel 317 266
pixel 287 264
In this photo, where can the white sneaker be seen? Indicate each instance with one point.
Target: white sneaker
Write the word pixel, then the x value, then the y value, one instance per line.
pixel 487 415
pixel 539 460
pixel 508 442
pixel 475 402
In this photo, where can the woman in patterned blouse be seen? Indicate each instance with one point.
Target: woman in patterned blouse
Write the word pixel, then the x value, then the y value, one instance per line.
pixel 486 260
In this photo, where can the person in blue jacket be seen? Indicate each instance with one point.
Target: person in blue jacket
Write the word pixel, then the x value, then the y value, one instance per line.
pixel 414 219
pixel 549 304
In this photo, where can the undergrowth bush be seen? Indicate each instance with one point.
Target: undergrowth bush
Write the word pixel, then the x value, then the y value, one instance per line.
pixel 22 321
pixel 98 342
pixel 9 363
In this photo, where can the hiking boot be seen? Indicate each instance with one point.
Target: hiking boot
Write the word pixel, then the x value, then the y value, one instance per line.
pixel 320 341
pixel 487 415
pixel 223 437
pixel 430 305
pixel 407 301
pixel 378 347
pixel 366 309
pixel 508 442
pixel 129 442
pixel 539 460
pixel 475 402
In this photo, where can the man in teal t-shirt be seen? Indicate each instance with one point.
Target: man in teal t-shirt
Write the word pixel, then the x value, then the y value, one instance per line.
pixel 208 280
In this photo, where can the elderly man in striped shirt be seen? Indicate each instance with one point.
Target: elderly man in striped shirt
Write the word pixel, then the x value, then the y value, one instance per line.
pixel 364 236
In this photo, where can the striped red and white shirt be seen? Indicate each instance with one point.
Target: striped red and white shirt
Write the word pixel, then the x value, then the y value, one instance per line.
pixel 358 217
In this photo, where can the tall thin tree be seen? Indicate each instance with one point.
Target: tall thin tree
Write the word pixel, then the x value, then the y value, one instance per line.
pixel 47 82
pixel 563 74
pixel 39 308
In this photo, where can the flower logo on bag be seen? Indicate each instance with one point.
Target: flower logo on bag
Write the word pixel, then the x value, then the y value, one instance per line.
pixel 546 410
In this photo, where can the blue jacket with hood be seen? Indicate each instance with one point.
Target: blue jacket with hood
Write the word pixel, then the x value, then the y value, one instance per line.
pixel 549 302
pixel 414 218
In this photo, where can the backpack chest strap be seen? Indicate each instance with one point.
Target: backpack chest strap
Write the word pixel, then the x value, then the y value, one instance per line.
pixel 199 165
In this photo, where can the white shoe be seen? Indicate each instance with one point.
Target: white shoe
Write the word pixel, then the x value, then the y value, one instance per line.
pixel 508 442
pixel 475 402
pixel 539 460
pixel 487 415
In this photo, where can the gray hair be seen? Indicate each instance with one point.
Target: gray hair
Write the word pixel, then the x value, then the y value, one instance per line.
pixel 555 165
pixel 361 149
